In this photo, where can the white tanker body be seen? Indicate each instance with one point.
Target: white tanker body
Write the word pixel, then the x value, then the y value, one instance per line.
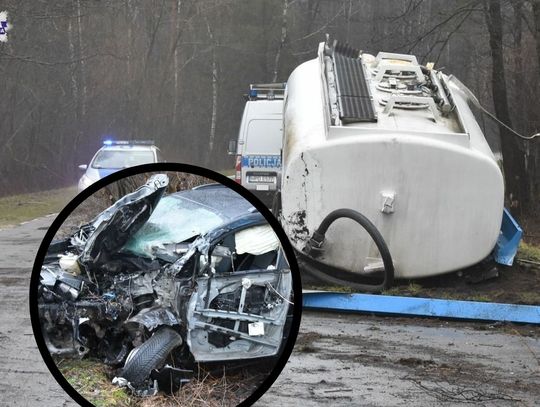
pixel 398 143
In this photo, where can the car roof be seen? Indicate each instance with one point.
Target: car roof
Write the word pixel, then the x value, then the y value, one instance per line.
pixel 223 201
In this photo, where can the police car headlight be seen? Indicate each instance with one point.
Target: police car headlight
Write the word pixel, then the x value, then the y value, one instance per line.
pixel 85 182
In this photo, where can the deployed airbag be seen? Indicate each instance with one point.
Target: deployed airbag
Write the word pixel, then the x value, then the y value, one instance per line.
pixel 256 241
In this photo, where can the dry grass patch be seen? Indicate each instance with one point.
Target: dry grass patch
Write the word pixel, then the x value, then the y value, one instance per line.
pixel 19 208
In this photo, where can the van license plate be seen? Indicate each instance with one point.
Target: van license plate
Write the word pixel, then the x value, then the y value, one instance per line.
pixel 262 178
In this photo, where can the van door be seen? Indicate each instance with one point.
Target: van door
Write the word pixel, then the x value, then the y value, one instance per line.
pixel 261 161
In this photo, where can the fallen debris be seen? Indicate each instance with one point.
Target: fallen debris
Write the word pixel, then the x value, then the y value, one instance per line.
pixel 444 391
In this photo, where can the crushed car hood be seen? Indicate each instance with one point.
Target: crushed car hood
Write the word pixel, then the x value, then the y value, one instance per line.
pixel 111 229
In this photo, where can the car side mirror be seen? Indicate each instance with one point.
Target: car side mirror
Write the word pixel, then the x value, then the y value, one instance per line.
pixel 83 167
pixel 232 147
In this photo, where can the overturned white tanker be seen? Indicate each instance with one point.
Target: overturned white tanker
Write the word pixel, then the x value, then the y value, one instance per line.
pixel 393 146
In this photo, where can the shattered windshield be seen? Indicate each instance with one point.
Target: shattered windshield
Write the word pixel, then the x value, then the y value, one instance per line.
pixel 174 220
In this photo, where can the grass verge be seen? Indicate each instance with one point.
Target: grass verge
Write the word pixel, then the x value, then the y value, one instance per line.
pixel 19 208
pixel 91 380
pixel 528 252
pixel 228 172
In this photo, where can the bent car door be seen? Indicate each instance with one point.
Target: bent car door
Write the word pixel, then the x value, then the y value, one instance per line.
pixel 242 297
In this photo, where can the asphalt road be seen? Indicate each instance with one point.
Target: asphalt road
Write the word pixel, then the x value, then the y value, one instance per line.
pixel 26 381
pixel 339 359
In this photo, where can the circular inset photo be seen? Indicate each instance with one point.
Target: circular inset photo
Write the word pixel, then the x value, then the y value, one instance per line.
pixel 165 284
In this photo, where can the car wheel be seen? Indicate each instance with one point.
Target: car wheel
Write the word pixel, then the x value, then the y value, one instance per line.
pixel 151 355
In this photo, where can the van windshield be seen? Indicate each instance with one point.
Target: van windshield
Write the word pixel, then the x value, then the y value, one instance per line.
pixel 264 136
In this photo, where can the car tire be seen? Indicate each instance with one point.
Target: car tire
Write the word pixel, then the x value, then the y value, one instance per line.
pixel 151 355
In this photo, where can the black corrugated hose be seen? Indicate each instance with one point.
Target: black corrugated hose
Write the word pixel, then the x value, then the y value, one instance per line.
pixel 348 278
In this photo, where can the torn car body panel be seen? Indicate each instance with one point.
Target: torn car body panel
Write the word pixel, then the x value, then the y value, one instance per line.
pixel 240 286
pixel 110 230
pixel 243 327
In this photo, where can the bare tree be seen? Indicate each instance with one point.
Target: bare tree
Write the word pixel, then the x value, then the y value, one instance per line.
pixel 513 157
pixel 282 41
pixel 215 79
pixel 536 17
pixel 176 65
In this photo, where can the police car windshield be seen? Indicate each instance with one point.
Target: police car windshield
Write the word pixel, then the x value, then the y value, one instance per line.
pixel 122 159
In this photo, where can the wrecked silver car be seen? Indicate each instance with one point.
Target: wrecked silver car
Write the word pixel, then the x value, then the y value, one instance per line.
pixel 157 283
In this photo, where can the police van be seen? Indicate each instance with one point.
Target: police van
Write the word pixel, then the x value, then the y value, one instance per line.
pixel 258 148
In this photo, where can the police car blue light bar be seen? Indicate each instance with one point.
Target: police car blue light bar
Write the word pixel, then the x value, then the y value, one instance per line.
pixel 128 142
pixel 268 91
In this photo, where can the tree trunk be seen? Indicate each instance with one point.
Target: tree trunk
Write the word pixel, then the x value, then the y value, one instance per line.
pixel 81 87
pixel 76 95
pixel 348 16
pixel 213 120
pixel 282 39
pixel 74 85
pixel 519 87
pixel 176 66
pixel 516 185
pixel 82 63
pixel 534 161
pixel 129 74
pixel 536 15
pixel 214 107
pixel 519 82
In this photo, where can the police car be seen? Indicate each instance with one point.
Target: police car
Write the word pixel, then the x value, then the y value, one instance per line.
pixel 116 155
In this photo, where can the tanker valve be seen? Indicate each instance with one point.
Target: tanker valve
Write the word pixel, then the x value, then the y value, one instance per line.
pixel 314 247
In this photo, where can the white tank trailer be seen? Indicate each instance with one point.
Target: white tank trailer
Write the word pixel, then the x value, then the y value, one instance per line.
pixel 385 168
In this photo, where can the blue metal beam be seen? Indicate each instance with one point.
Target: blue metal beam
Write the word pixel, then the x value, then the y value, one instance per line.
pixel 508 242
pixel 410 306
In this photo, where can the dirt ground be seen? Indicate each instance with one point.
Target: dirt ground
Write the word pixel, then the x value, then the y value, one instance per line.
pixel 350 359
pixel 517 284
